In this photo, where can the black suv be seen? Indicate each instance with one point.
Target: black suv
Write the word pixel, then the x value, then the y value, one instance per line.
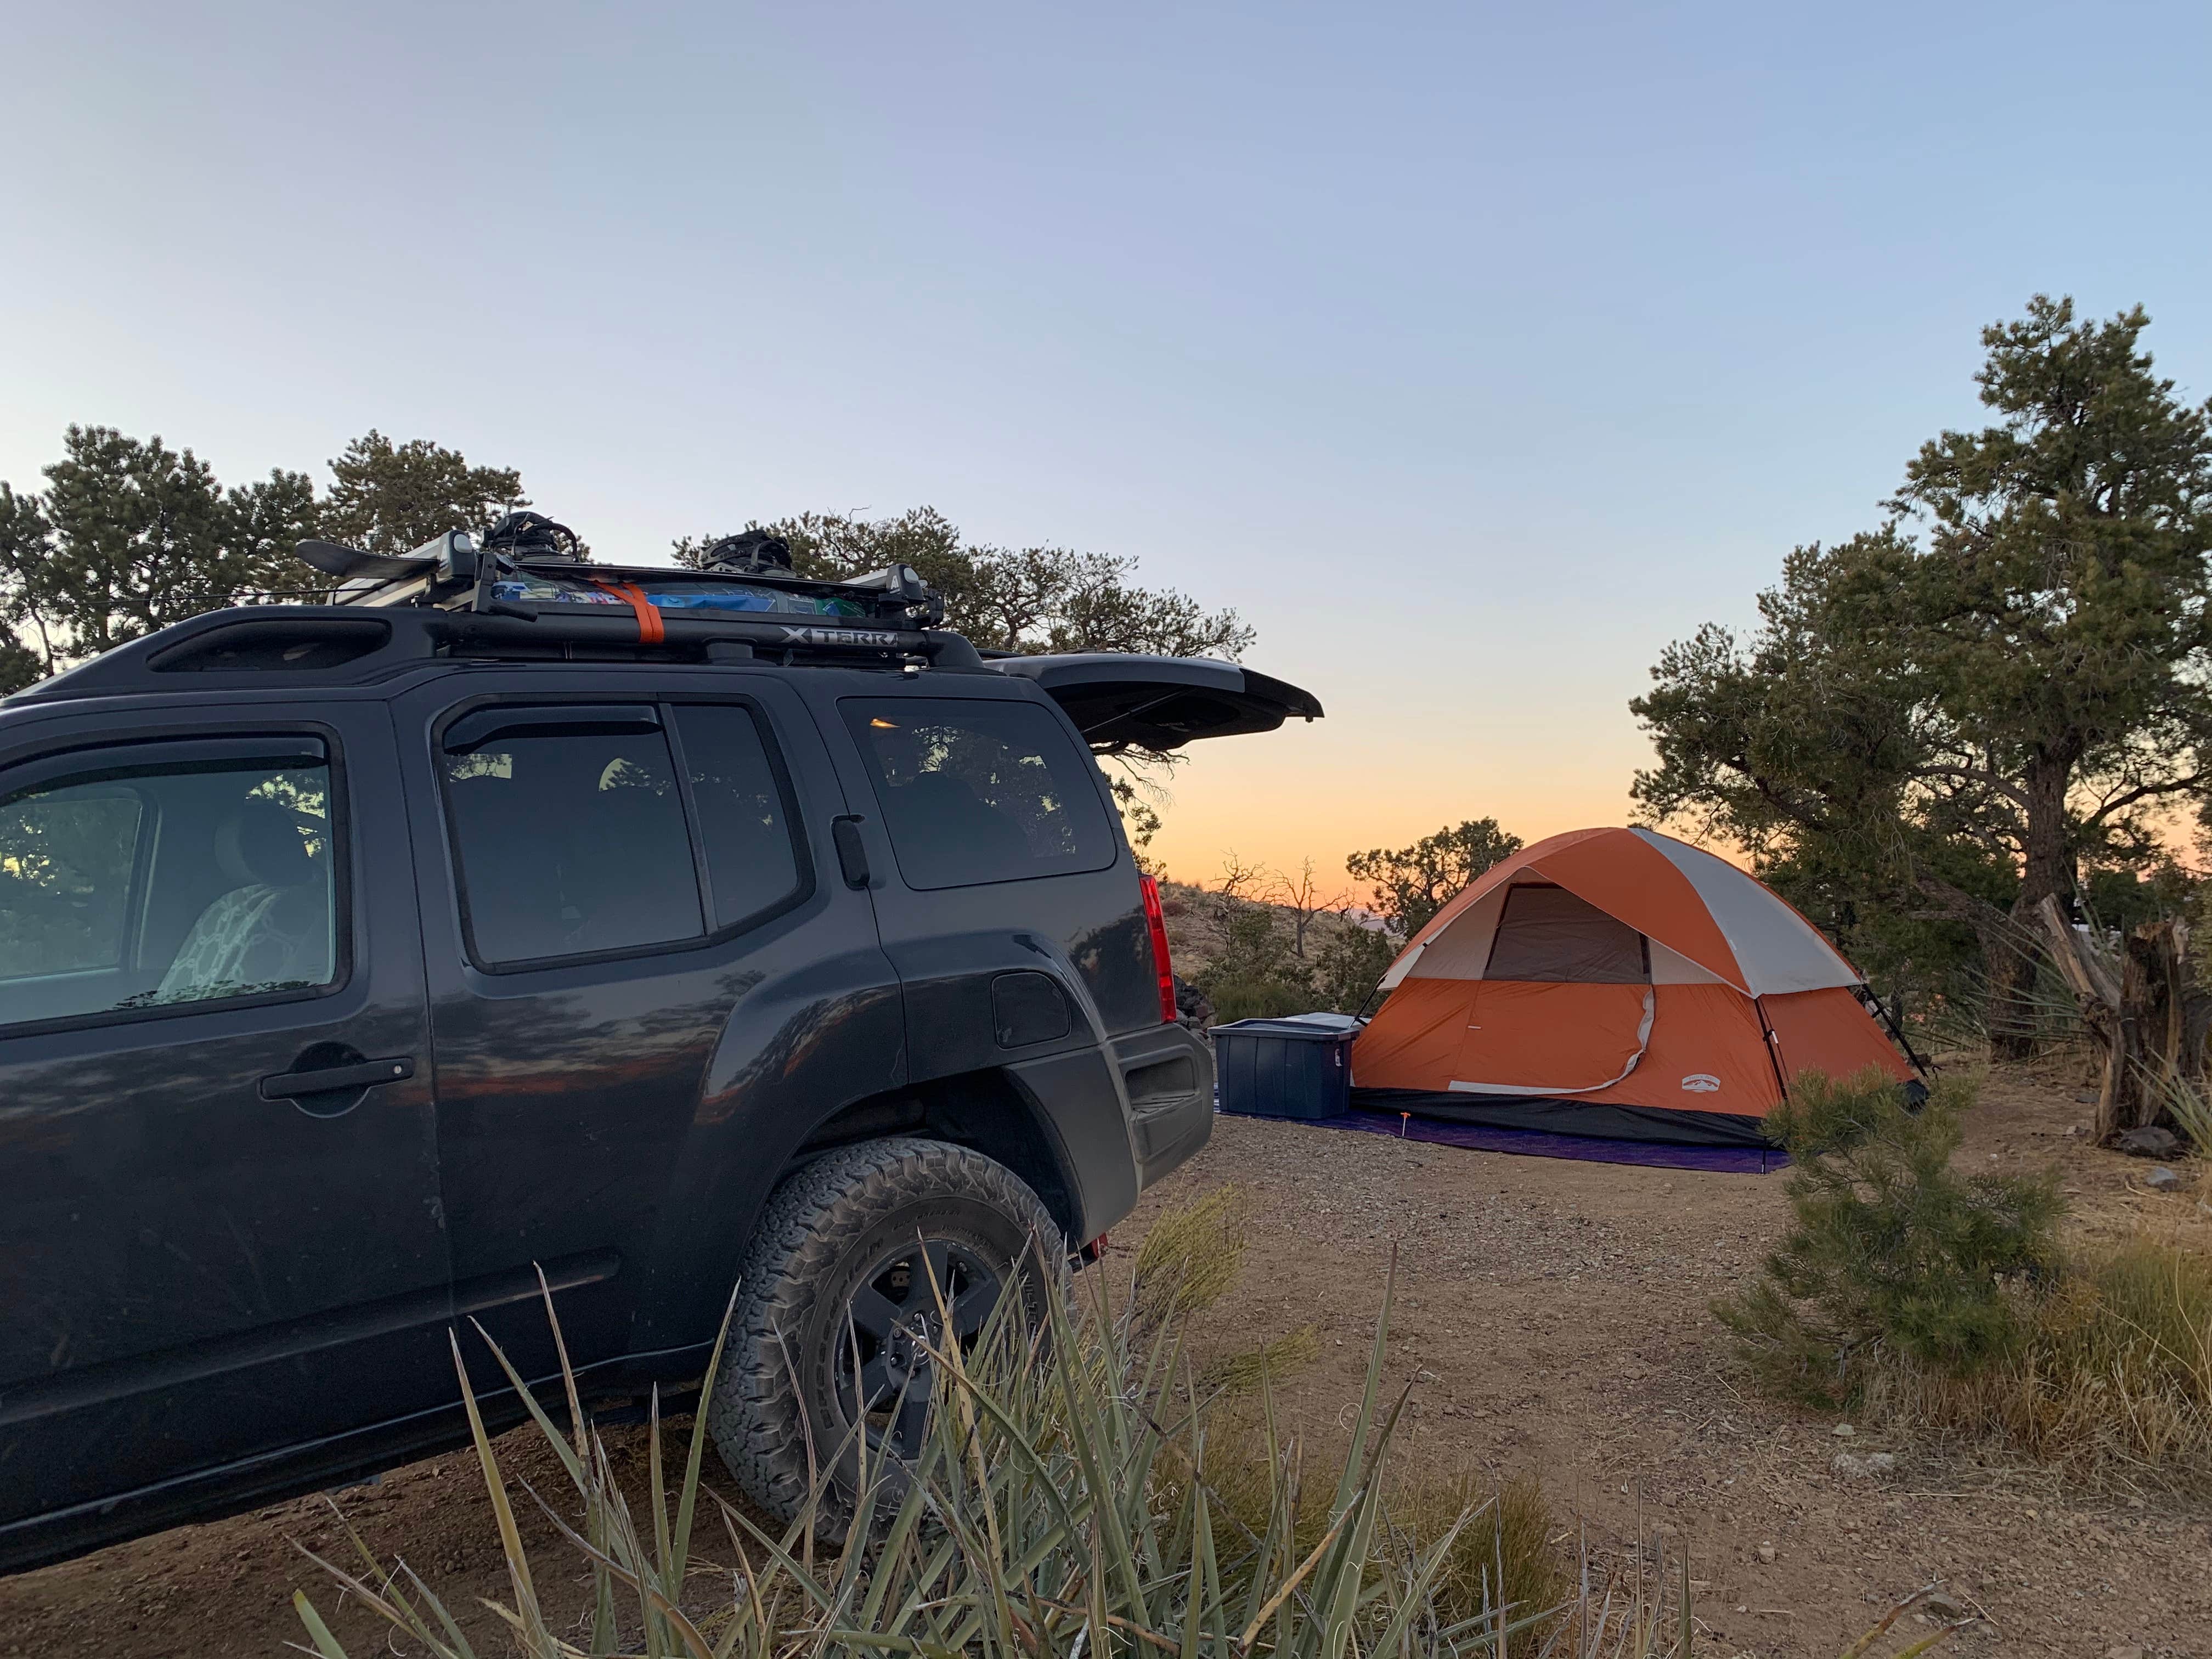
pixel 645 931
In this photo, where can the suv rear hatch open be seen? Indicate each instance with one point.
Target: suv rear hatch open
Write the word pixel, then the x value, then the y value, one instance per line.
pixel 1121 702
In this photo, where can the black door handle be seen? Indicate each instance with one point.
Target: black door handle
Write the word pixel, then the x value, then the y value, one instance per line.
pixel 851 852
pixel 329 1080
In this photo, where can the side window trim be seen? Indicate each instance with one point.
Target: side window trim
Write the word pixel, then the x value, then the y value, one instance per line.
pixel 304 742
pixel 516 711
pixel 686 796
pixel 787 791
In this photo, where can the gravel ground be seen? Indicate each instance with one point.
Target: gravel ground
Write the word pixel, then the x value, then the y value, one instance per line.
pixel 1555 1317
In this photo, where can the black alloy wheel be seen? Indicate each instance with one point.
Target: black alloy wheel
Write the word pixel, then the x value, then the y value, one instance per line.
pixel 897 1321
pixel 867 1265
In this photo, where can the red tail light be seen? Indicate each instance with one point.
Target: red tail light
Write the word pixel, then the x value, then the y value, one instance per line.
pixel 1156 920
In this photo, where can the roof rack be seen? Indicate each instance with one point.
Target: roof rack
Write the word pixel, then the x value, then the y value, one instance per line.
pixel 455 598
pixel 525 583
pixel 515 576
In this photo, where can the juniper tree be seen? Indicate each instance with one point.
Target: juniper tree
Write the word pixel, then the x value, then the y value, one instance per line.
pixel 1031 598
pixel 1961 710
pixel 392 498
pixel 1412 883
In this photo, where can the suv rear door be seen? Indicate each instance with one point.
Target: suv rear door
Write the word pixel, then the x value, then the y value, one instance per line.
pixel 221 1235
pixel 641 963
pixel 1006 900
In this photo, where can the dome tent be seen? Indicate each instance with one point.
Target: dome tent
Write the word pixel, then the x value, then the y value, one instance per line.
pixel 1615 982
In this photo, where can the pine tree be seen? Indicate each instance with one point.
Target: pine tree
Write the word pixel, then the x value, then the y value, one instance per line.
pixel 131 536
pixel 392 498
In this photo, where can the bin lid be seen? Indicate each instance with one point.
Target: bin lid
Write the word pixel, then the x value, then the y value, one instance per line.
pixel 1309 1028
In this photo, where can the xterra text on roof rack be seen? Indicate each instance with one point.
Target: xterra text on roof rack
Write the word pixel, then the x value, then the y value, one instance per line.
pixel 649 930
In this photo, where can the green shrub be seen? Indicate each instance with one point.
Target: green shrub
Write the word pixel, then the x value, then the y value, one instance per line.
pixel 1191 1257
pixel 1892 1253
pixel 1349 965
pixel 1255 973
pixel 1257 999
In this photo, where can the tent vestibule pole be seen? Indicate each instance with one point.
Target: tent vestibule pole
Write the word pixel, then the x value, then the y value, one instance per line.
pixel 1897 1030
pixel 1773 1047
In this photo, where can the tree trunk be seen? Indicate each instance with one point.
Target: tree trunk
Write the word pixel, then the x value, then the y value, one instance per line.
pixel 2144 1010
pixel 2045 872
pixel 2012 1014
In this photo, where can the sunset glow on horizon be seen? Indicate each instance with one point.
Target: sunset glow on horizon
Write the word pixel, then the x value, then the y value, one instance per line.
pixel 1472 355
pixel 1336 786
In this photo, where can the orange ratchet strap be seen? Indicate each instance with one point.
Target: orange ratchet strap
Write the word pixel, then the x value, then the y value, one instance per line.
pixel 649 630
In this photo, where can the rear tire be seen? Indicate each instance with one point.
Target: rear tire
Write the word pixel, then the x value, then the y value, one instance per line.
pixel 835 1291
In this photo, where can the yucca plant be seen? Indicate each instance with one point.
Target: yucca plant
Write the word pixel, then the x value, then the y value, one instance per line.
pixel 1062 1502
pixel 1075 1496
pixel 2187 1104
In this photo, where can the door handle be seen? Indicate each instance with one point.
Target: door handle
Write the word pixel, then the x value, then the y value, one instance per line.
pixel 851 852
pixel 329 1080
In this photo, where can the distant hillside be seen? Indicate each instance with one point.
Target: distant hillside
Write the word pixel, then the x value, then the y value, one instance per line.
pixel 1194 916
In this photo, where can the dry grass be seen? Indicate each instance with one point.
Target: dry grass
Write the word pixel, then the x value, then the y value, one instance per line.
pixel 2112 1382
pixel 1191 1258
pixel 1954 1301
pixel 1243 1373
pixel 1071 1498
pixel 1504 1556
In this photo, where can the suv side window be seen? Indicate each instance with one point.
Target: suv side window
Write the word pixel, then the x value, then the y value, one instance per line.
pixel 744 823
pixel 980 791
pixel 575 837
pixel 155 875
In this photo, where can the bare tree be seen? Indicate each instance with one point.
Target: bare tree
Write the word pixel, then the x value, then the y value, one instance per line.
pixel 1240 879
pixel 1302 896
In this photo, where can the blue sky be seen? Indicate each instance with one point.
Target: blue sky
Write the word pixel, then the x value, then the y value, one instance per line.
pixel 1474 352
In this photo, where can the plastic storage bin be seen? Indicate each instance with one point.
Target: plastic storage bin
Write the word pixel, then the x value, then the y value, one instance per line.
pixel 1298 1068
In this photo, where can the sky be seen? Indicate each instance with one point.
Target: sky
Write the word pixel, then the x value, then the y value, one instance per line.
pixel 1471 352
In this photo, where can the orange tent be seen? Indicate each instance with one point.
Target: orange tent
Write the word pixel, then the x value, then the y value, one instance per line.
pixel 1615 982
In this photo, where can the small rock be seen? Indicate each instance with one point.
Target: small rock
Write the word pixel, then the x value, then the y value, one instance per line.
pixel 1853 1467
pixel 2161 1180
pixel 1766 1553
pixel 2083 1097
pixel 2149 1141
pixel 1843 1430
pixel 1941 1604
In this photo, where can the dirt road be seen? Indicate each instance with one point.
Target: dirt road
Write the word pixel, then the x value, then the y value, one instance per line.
pixel 1556 1314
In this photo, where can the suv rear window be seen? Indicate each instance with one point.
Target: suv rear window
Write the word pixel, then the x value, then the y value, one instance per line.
pixel 975 792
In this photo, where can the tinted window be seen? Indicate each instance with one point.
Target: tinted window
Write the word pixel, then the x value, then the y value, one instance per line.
pixel 743 823
pixel 975 792
pixel 571 841
pixel 148 885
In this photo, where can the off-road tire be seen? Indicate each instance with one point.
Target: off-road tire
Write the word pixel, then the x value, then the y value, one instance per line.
pixel 822 1227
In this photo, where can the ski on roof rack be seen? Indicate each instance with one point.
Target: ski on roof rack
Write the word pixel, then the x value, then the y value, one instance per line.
pixel 528 566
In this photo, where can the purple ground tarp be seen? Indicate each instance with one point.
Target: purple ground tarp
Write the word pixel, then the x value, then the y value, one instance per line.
pixel 1534 1143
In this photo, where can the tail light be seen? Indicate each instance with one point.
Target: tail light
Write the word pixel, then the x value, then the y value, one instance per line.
pixel 1156 921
